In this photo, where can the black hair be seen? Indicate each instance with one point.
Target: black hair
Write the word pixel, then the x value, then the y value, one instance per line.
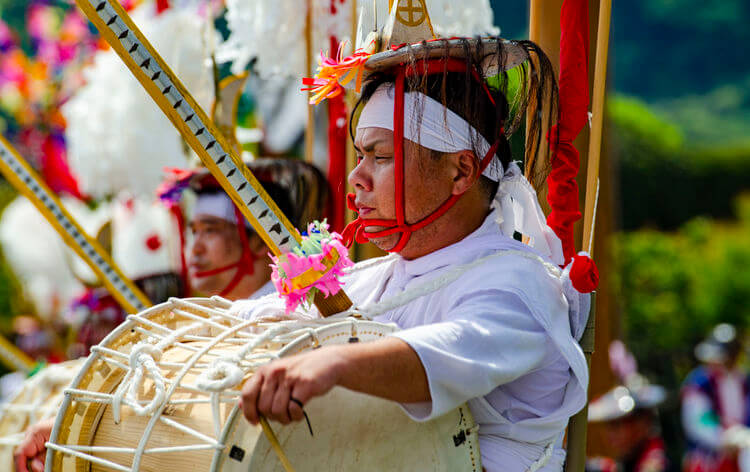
pixel 463 94
pixel 299 189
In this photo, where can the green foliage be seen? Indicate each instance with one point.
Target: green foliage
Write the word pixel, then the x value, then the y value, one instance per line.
pixel 665 180
pixel 674 287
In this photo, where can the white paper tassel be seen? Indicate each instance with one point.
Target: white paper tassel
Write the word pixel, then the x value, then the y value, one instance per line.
pixel 273 31
pixel 117 137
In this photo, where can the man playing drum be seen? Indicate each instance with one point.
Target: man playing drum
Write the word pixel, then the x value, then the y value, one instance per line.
pixel 485 318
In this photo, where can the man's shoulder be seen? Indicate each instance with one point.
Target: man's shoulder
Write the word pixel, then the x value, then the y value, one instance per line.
pixel 511 267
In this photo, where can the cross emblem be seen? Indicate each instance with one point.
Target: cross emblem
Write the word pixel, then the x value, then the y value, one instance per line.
pixel 411 15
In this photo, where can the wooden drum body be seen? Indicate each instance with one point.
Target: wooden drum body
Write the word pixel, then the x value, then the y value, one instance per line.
pixel 160 394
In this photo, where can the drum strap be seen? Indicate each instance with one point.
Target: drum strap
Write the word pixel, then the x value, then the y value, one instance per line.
pixel 378 308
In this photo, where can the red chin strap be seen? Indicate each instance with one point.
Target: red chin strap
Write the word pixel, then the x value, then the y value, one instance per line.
pixel 355 231
pixel 244 265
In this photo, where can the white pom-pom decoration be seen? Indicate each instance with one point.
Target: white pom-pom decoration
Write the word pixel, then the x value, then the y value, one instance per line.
pixel 273 31
pixel 117 137
pixel 38 256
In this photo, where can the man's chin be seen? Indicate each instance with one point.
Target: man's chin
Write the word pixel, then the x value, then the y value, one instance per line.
pixel 386 243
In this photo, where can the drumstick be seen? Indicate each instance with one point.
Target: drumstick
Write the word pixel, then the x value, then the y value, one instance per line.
pixel 271 436
pixel 23 177
pixel 195 126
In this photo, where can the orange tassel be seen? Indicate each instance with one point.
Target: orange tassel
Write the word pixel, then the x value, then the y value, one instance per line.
pixel 334 73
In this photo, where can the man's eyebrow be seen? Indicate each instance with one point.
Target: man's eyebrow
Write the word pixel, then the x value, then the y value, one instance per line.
pixel 370 146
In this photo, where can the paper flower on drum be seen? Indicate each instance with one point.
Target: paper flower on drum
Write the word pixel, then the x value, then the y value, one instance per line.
pixel 315 266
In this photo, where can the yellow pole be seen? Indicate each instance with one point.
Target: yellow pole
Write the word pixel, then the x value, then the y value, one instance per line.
pixel 14 358
pixel 23 178
pixel 597 124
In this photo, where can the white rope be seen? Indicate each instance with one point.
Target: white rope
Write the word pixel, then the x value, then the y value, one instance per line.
pixel 374 309
pixel 142 365
pixel 543 459
pixel 39 390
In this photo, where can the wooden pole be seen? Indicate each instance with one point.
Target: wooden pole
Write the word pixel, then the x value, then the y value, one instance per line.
pixel 544 30
pixel 310 128
pixel 597 124
pixel 575 460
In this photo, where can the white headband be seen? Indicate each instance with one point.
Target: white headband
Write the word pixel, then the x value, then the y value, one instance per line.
pixel 216 204
pixel 441 129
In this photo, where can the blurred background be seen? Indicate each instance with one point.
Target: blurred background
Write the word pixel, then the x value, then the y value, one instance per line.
pixel 673 228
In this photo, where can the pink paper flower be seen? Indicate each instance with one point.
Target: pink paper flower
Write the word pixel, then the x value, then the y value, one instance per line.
pixel 317 266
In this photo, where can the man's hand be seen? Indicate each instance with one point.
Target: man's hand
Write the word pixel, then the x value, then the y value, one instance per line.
pixel 279 389
pixel 388 368
pixel 31 453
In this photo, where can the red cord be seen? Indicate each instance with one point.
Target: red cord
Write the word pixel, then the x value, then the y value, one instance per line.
pixel 355 231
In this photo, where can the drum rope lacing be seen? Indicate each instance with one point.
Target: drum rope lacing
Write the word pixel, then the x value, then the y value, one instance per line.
pixel 29 401
pixel 144 362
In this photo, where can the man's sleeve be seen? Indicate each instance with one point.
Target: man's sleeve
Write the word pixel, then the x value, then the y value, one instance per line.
pixel 489 339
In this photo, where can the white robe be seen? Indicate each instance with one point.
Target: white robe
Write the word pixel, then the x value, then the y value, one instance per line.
pixel 497 337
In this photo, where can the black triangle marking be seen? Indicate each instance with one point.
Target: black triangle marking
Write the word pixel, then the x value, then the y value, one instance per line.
pixel 100 7
pixel 156 75
pixel 200 131
pixel 189 117
pixel 112 20
pixel 231 172
pixel 253 200
pixel 275 228
pixel 146 63
pixel 263 214
pixel 177 104
pixel 123 35
pixel 166 90
pixel 210 145
pixel 241 187
pixel 284 241
pixel 133 48
pixel 221 159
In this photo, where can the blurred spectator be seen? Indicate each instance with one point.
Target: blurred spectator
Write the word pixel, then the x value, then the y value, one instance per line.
pixel 715 413
pixel 629 411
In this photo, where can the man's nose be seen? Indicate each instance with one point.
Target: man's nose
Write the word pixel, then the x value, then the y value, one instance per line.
pixel 197 248
pixel 359 177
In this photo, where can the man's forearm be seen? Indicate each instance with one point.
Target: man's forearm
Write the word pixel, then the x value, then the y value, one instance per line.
pixel 388 368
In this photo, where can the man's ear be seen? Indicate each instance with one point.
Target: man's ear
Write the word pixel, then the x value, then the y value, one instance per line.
pixel 466 171
pixel 256 244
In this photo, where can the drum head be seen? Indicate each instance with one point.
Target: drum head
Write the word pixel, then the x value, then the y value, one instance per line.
pixel 353 431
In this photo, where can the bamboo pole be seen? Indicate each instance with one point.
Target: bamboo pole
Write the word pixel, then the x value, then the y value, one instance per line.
pixel 575 460
pixel 577 427
pixel 310 128
pixel 597 124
